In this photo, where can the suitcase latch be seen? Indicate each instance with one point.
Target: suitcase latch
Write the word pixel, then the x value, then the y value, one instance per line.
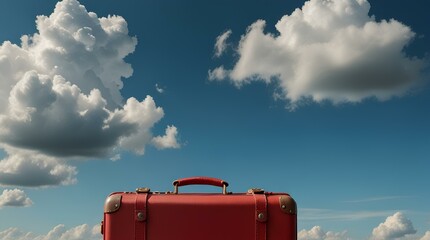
pixel 256 191
pixel 143 190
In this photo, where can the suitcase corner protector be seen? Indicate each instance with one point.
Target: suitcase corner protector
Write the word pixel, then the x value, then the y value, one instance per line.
pixel 113 203
pixel 288 205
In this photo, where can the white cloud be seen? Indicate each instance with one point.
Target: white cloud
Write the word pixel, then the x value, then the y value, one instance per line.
pixel 14 198
pixel 395 226
pixel 60 93
pixel 218 73
pixel 158 88
pixel 328 50
pixel 426 236
pixel 15 234
pixel 81 232
pixel 86 232
pixel 167 141
pixel 221 43
pixel 143 115
pixel 30 169
pixel 317 233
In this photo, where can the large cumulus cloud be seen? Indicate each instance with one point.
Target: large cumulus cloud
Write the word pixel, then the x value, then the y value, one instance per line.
pixel 328 50
pixel 60 97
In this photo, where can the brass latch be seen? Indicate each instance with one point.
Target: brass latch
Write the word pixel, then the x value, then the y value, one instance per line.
pixel 143 190
pixel 256 191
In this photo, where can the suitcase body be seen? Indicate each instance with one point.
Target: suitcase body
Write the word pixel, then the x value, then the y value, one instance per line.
pixel 145 215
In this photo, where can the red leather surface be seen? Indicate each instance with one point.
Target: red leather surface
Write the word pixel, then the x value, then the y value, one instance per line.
pixel 198 217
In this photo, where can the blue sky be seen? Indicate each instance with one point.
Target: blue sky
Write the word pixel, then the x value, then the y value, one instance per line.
pixel 325 100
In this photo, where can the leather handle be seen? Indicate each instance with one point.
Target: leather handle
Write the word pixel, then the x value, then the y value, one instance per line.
pixel 200 181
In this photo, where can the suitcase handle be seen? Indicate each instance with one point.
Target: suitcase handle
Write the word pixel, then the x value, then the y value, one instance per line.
pixel 200 181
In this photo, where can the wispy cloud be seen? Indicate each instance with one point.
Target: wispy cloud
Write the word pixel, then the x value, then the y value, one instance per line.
pixel 159 88
pixel 221 43
pixel 315 214
pixel 60 97
pixel 328 51
pixel 376 199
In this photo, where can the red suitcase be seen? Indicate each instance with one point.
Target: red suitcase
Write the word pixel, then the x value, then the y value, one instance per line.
pixel 145 215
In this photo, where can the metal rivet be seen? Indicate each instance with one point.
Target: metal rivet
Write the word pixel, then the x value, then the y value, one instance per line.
pixel 283 206
pixel 116 205
pixel 260 216
pixel 140 216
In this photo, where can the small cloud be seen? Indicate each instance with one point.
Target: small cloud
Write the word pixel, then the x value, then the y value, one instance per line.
pixel 158 88
pixel 14 198
pixel 395 226
pixel 167 141
pixel 317 233
pixel 218 73
pixel 142 116
pixel 80 232
pixel 30 169
pixel 115 158
pixel 221 43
